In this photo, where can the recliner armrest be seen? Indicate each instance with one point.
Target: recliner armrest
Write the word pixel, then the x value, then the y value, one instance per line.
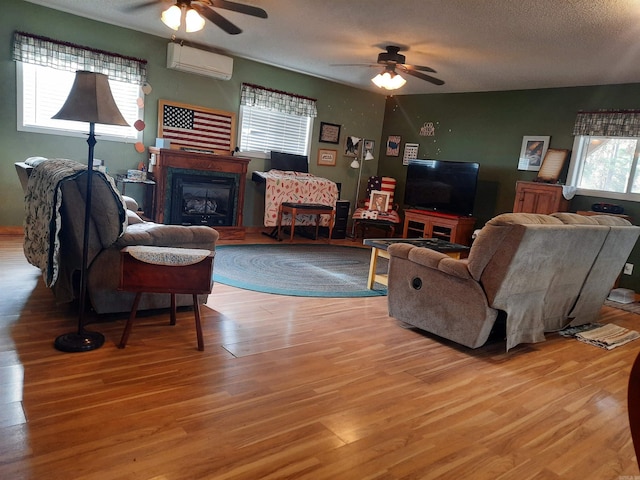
pixel 431 259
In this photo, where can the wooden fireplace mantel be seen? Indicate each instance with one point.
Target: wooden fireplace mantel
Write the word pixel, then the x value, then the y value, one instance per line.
pixel 168 158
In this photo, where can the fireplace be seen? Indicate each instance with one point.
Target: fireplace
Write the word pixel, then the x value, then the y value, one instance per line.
pixel 195 188
pixel 203 199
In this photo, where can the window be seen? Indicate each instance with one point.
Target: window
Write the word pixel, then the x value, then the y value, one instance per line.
pixel 45 71
pixel 271 120
pixel 605 155
pixel 43 90
pixel 263 131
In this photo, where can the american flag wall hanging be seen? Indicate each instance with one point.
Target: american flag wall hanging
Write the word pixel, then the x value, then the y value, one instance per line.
pixel 197 129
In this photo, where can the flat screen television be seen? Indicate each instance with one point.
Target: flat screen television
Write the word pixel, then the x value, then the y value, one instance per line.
pixel 443 186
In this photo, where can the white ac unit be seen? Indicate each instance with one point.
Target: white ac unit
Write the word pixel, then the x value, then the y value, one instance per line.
pixel 200 62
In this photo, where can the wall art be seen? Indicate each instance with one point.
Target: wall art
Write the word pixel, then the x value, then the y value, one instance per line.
pixel 532 152
pixel 329 133
pixel 393 146
pixel 327 157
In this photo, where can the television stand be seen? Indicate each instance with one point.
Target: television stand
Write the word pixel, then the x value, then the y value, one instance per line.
pixel 452 228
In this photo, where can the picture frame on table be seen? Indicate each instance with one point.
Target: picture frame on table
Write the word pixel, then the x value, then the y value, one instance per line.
pixel 379 200
pixel 329 133
pixel 532 152
pixel 393 145
pixel 327 157
pixel 552 164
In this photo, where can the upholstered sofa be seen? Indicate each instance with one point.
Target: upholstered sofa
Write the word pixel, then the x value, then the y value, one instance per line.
pixel 55 191
pixel 544 272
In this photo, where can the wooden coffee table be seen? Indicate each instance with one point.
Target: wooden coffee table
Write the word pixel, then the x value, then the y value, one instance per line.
pixel 379 248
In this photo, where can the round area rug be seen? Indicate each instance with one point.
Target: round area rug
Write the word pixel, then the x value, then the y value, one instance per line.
pixel 303 270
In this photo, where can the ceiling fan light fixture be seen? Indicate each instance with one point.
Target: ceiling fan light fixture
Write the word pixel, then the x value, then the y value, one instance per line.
pixel 172 16
pixel 193 21
pixel 388 80
pixel 397 81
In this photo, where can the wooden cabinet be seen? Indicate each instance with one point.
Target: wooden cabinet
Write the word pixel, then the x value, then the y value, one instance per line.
pixel 534 197
pixel 437 225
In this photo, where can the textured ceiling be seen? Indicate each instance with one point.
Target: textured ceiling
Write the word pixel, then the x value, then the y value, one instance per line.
pixel 474 45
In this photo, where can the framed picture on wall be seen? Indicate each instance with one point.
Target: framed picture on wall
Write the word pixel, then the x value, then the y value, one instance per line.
pixel 410 152
pixel 329 133
pixel 369 146
pixel 393 146
pixel 352 146
pixel 532 152
pixel 327 158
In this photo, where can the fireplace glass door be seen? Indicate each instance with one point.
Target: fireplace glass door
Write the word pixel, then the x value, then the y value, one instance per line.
pixel 203 200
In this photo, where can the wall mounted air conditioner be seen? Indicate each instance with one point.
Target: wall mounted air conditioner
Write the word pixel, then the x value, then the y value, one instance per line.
pixel 200 62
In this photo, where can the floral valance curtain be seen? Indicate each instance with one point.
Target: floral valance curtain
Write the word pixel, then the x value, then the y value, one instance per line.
pixel 611 123
pixel 277 101
pixel 47 52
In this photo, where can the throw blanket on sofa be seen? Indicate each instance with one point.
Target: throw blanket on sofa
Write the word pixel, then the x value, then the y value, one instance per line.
pixel 42 220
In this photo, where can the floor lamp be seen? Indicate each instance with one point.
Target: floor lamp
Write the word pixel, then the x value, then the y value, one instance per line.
pixel 358 164
pixel 90 100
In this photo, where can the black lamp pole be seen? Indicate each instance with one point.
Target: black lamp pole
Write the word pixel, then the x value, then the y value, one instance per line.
pixel 83 340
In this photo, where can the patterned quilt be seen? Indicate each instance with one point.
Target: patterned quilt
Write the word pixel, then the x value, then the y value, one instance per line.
pixel 285 186
pixel 42 213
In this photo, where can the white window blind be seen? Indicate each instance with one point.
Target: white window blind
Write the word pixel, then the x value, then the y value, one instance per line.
pixel 264 130
pixel 43 90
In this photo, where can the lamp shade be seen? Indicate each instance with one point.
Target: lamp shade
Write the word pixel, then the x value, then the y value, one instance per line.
pixel 172 16
pixel 193 21
pixel 90 100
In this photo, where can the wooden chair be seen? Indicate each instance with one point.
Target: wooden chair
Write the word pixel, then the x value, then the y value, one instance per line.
pixel 387 219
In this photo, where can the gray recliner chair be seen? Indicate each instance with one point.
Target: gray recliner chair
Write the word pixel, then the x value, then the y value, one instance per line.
pixel 544 271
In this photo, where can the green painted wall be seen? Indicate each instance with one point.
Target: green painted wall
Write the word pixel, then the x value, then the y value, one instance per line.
pixel 359 112
pixel 488 128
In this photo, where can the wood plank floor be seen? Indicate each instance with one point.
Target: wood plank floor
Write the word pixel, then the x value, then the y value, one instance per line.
pixel 301 388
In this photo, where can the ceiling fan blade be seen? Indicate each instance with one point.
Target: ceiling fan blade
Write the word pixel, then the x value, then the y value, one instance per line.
pixel 418 67
pixel 422 76
pixel 217 19
pixel 240 8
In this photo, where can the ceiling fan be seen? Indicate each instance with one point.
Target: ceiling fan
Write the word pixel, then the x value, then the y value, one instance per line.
pixel 172 17
pixel 393 60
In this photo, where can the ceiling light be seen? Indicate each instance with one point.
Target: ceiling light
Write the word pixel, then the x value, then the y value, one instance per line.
pixel 193 21
pixel 172 16
pixel 389 80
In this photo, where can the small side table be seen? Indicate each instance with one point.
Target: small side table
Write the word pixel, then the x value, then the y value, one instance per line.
pixel 166 270
pixel 306 209
pixel 379 248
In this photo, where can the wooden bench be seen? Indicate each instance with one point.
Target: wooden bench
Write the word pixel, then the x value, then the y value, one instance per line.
pixel 305 209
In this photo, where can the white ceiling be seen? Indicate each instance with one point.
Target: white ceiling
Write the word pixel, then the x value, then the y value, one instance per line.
pixel 474 45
